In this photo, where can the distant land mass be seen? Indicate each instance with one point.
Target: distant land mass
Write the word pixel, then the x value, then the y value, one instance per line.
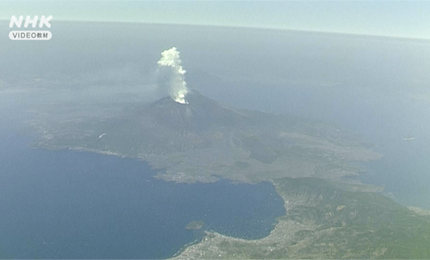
pixel 203 141
pixel 327 216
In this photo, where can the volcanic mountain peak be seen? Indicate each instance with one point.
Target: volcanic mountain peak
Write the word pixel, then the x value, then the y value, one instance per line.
pixel 202 140
pixel 199 114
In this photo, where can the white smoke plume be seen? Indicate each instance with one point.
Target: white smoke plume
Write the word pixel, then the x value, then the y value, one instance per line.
pixel 171 76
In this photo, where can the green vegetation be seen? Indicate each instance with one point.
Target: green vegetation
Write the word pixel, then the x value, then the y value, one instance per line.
pixel 325 221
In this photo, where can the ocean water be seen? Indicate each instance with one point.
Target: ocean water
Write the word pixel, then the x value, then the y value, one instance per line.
pixel 394 125
pixel 68 204
pixel 404 171
pixel 57 204
pixel 383 118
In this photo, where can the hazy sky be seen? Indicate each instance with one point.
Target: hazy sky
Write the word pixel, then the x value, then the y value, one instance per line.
pixel 387 18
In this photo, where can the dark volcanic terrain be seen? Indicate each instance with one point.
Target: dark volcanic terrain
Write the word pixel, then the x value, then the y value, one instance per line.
pixel 203 140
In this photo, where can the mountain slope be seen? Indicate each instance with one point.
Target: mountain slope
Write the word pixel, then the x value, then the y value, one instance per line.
pixel 203 140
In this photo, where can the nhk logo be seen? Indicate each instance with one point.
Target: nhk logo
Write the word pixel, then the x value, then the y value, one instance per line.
pixel 30 35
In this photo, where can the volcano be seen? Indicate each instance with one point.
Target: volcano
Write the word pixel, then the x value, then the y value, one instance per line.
pixel 200 114
pixel 202 140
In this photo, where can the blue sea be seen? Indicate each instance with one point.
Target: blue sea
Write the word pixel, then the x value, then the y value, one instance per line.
pixel 393 123
pixel 69 204
pixel 66 204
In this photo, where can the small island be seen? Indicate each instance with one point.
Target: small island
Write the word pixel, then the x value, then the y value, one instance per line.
pixel 195 224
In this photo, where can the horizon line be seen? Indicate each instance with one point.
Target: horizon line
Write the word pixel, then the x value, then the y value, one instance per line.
pixel 250 27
